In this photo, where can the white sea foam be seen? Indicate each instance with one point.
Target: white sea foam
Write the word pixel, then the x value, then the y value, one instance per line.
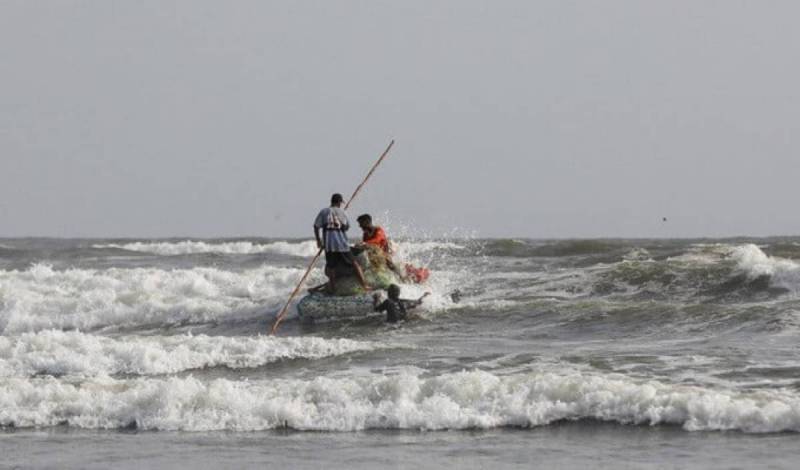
pixel 637 254
pixel 405 249
pixel 754 263
pixel 703 254
pixel 43 298
pixel 410 400
pixel 303 249
pixel 74 353
pixel 413 248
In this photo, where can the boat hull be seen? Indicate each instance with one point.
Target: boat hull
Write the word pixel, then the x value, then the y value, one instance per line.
pixel 320 306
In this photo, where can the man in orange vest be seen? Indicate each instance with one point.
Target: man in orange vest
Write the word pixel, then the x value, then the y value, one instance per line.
pixel 374 235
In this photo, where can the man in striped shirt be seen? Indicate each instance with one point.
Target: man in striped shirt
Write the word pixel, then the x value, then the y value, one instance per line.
pixel 333 223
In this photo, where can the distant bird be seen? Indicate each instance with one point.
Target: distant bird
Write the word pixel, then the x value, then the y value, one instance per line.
pixel 663 219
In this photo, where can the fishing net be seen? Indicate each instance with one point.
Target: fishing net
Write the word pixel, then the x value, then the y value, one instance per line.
pixel 373 262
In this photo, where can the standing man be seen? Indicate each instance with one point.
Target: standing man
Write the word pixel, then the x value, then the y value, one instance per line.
pixel 334 224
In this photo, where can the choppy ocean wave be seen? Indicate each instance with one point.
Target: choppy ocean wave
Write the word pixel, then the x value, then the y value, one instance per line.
pixel 44 298
pixel 466 400
pixel 557 248
pixel 724 271
pixel 304 249
pixel 543 331
pixel 755 264
pixel 72 353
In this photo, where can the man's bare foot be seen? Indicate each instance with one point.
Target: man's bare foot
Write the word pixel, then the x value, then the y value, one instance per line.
pixel 318 288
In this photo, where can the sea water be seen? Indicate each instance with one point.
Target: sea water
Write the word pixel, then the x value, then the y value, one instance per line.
pixel 564 353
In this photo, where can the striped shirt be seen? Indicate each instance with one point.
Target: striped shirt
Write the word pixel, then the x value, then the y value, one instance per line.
pixel 334 224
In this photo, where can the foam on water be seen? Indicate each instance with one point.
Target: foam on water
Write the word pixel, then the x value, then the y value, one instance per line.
pixel 43 298
pixel 302 249
pixel 705 270
pixel 465 400
pixel 754 263
pixel 410 249
pixel 562 358
pixel 75 353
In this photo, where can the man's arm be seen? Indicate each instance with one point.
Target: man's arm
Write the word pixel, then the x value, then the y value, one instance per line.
pixel 320 242
pixel 377 304
pixel 319 222
pixel 415 303
pixel 345 222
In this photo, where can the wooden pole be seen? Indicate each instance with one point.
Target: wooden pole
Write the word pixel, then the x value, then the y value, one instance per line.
pixel 296 290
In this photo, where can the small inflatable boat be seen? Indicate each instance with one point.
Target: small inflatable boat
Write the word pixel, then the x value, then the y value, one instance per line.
pixel 319 306
pixel 349 300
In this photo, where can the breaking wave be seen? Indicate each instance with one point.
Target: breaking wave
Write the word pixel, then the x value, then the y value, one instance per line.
pixel 404 249
pixel 465 400
pixel 61 353
pixel 302 249
pixel 707 270
pixel 42 298
pixel 415 248
pixel 755 264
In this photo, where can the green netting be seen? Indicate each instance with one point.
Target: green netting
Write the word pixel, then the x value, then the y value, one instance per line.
pixel 373 262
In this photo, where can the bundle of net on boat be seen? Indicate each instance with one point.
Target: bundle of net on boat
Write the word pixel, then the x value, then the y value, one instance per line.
pixel 374 263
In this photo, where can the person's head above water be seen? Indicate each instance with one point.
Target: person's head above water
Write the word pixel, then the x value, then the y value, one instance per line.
pixel 337 200
pixel 365 221
pixel 393 291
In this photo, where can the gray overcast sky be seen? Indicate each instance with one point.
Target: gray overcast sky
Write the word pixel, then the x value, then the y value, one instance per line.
pixel 528 119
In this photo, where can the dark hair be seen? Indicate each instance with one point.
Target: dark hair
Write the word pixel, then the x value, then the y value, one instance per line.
pixel 337 199
pixel 364 218
pixel 393 290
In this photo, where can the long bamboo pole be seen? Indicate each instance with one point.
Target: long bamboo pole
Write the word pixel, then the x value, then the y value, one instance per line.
pixel 285 309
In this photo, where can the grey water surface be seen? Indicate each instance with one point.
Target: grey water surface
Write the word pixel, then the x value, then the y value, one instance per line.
pixel 560 353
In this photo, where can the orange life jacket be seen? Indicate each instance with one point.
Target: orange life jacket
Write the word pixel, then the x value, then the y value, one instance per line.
pixel 378 239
